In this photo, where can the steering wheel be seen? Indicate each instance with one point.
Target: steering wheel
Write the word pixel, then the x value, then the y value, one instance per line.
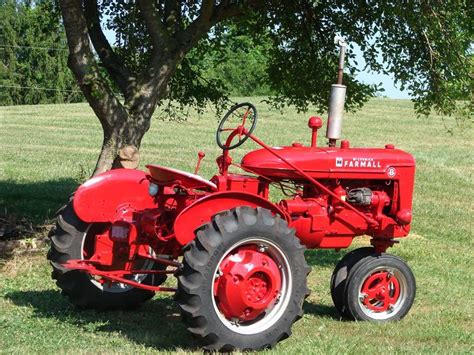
pixel 234 122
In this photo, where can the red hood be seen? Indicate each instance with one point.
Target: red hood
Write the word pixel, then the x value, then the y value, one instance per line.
pixel 326 162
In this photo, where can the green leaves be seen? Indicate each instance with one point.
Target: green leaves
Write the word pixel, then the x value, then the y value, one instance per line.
pixel 286 49
pixel 33 57
pixel 281 49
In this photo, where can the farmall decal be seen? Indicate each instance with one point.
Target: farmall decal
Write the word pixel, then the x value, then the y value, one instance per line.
pixel 357 162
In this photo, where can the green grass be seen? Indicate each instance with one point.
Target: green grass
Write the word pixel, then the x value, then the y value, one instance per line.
pixel 47 150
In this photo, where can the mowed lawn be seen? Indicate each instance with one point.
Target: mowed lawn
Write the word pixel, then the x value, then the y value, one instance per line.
pixel 46 151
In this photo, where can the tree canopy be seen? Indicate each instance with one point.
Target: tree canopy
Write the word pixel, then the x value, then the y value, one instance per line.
pixel 424 45
pixel 163 48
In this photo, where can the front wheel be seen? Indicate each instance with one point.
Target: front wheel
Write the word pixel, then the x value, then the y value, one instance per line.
pixel 380 288
pixel 243 282
pixel 340 274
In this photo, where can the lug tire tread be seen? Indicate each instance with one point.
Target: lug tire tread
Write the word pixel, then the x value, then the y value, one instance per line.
pixel 208 246
pixel 66 243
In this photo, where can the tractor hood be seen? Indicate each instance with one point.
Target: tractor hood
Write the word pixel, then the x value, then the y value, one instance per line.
pixel 329 162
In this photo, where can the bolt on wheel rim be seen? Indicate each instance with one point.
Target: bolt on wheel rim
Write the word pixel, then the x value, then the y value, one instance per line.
pixel 382 293
pixel 252 301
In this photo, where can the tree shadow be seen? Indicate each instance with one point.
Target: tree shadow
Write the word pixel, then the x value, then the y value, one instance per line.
pixel 155 324
pixel 322 258
pixel 35 201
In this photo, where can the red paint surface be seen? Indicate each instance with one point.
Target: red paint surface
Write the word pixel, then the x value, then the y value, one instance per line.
pixel 318 210
pixel 249 282
pixel 203 209
pixel 380 291
pixel 110 196
pixel 320 163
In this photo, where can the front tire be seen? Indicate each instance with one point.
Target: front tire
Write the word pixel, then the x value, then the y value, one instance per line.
pixel 69 239
pixel 340 274
pixel 380 288
pixel 243 282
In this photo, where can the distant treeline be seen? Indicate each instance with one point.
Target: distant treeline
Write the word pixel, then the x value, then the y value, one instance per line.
pixel 33 59
pixel 33 55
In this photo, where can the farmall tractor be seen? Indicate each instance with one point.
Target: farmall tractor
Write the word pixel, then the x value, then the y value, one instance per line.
pixel 238 256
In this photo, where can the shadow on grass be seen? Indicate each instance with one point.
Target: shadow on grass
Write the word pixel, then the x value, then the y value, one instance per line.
pixel 155 324
pixel 323 257
pixel 321 310
pixel 36 201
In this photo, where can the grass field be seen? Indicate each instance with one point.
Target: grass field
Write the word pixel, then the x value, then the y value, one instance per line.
pixel 46 151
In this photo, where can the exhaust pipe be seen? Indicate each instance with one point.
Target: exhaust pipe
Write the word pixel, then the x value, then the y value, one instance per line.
pixel 337 98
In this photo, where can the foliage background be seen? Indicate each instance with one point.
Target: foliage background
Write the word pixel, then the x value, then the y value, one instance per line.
pixel 33 59
pixel 234 60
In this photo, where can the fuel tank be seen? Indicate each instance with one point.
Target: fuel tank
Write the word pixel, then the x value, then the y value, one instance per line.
pixel 330 162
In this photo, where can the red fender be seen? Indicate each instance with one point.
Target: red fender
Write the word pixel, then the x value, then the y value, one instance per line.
pixel 202 210
pixel 101 198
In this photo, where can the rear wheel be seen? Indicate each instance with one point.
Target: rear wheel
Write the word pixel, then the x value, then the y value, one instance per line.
pixel 380 288
pixel 243 282
pixel 74 239
pixel 340 274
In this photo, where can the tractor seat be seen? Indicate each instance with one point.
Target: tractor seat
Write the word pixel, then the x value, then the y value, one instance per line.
pixel 164 175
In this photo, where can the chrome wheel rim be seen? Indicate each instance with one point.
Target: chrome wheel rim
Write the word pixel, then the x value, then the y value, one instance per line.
pixel 278 307
pixel 383 296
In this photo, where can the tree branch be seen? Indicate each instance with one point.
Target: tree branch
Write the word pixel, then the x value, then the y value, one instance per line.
pixel 159 37
pixel 173 18
pixel 226 10
pixel 112 63
pixel 211 15
pixel 197 29
pixel 84 67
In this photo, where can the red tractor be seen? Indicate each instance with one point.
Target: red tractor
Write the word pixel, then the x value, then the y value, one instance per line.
pixel 239 257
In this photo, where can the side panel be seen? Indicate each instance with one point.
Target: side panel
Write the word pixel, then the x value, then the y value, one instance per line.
pixel 202 210
pixel 102 197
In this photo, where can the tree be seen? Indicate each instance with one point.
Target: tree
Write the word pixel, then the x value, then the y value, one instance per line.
pixel 161 46
pixel 241 65
pixel 33 60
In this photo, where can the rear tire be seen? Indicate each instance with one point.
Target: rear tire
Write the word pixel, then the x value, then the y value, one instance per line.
pixel 67 241
pixel 241 237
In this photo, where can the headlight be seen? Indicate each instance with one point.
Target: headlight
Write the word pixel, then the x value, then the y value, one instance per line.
pixel 153 189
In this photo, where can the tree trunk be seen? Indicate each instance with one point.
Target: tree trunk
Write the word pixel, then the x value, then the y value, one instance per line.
pixel 120 146
pixel 125 127
pixel 124 124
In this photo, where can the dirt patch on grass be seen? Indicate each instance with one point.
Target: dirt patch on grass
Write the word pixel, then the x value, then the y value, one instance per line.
pixel 20 236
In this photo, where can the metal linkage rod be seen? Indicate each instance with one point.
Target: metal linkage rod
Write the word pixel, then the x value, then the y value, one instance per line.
pixel 369 220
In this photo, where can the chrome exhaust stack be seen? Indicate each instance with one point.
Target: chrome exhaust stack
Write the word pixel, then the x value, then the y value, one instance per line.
pixel 337 98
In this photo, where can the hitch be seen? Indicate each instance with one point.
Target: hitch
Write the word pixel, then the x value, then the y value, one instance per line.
pixel 119 275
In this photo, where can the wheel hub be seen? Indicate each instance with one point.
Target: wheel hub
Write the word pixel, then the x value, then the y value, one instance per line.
pixel 248 282
pixel 380 291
